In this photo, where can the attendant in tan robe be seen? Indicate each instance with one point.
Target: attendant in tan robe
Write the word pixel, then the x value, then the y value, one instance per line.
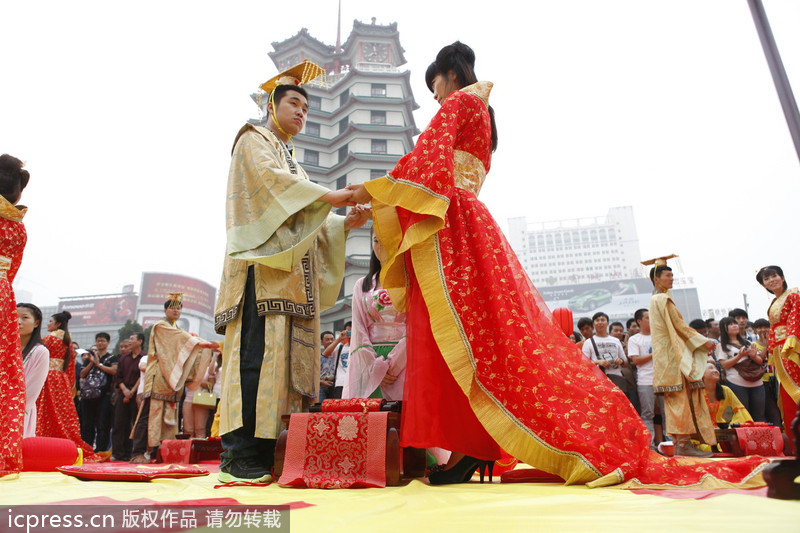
pixel 679 361
pixel 176 359
pixel 284 264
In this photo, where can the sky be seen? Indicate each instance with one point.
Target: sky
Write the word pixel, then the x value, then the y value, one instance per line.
pixel 125 114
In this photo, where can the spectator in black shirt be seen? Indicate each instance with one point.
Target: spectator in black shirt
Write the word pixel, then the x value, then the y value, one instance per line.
pixel 96 378
pixel 125 384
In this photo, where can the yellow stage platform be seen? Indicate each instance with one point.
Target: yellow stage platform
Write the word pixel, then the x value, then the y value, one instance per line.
pixel 417 507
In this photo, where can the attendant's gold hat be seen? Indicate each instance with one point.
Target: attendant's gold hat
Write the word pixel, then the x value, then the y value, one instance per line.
pixel 658 264
pixel 175 300
pixel 659 261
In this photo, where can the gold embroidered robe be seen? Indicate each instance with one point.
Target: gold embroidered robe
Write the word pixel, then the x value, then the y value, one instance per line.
pixel 276 224
pixel 679 362
pixel 174 359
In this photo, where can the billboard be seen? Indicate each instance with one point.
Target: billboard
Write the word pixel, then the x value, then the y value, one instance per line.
pixel 97 311
pixel 197 295
pixel 618 299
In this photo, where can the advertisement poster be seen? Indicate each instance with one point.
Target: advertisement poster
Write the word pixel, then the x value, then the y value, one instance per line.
pixel 618 299
pixel 115 309
pixel 197 295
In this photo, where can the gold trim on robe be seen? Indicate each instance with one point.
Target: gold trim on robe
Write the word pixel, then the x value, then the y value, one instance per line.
pixel 10 211
pixel 786 347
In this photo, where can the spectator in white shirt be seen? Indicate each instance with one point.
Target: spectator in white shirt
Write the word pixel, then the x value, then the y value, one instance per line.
pixel 640 350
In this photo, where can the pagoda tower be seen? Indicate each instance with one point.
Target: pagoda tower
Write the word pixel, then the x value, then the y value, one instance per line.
pixel 360 123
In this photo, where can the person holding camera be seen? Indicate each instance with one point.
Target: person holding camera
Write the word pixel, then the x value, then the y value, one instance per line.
pixel 340 350
pixel 95 392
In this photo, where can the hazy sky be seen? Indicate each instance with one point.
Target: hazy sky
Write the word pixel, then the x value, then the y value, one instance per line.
pixel 125 114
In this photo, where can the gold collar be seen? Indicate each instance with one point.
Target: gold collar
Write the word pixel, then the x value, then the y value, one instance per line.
pixel 11 212
pixel 480 89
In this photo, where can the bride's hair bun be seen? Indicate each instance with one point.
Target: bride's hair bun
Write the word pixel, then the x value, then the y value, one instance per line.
pixel 458 58
pixel 13 177
pixel 456 53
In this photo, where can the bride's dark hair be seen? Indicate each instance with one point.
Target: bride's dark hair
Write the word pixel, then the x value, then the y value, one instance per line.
pixel 13 178
pixel 460 59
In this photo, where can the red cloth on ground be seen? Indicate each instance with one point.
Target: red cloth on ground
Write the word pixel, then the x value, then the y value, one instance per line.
pixel 131 472
pixel 701 494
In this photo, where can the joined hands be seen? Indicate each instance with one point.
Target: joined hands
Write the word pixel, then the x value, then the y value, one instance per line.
pixel 359 214
pixel 352 195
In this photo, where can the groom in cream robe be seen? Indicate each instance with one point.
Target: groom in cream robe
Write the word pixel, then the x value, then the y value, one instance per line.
pixel 284 264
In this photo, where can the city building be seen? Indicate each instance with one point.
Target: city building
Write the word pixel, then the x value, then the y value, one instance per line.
pixel 360 122
pixel 592 264
pixel 580 250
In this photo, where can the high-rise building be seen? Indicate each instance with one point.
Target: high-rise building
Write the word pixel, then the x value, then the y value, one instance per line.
pixel 359 123
pixel 592 264
pixel 580 250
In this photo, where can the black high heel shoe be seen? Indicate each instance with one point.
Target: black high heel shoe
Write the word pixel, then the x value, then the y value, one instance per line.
pixel 487 466
pixel 462 471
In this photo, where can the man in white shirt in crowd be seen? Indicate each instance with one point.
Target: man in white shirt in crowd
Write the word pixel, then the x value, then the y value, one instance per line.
pixel 640 350
pixel 605 351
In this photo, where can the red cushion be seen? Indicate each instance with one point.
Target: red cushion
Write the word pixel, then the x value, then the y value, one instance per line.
pixel 44 454
pixel 131 472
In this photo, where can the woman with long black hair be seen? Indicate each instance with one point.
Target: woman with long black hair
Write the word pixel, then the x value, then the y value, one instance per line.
pixel 35 361
pixel 736 354
pixel 377 366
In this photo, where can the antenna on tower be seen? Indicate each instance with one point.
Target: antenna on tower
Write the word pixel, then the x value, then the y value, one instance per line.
pixel 339 29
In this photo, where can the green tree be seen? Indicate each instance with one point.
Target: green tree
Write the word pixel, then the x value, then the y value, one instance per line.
pixel 130 327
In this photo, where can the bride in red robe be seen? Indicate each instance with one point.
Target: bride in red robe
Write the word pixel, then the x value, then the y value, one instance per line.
pixel 56 410
pixel 13 179
pixel 486 367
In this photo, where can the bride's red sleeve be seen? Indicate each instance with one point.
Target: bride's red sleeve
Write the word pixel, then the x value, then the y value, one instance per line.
pixel 410 203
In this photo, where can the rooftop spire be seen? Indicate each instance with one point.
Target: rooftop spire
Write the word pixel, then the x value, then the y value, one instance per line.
pixel 339 29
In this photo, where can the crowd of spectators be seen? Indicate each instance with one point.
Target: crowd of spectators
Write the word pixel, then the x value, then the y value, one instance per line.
pixel 108 386
pixel 108 393
pixel 739 371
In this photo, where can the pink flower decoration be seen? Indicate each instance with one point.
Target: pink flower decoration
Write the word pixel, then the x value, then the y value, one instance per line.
pixel 383 298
